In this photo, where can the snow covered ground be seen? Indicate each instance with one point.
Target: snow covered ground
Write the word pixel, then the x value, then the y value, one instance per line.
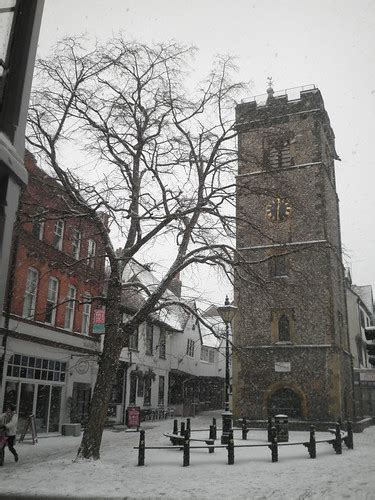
pixel 47 469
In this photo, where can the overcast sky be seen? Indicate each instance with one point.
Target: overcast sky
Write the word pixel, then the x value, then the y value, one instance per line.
pixel 325 42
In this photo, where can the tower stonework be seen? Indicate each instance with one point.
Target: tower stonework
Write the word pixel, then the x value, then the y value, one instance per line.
pixel 291 350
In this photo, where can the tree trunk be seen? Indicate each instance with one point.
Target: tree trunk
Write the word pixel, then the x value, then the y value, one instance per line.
pixel 113 344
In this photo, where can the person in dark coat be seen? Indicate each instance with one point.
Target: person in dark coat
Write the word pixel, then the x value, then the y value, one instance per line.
pixel 9 421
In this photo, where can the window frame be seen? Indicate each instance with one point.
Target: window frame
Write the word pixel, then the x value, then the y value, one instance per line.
pixel 52 300
pixel 190 347
pixel 86 316
pixel 32 294
pixel 162 343
pixel 149 341
pixel 134 340
pixel 91 253
pixel 76 243
pixel 58 234
pixel 70 308
pixel 282 321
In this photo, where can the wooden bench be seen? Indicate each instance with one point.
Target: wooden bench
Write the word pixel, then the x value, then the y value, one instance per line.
pixel 176 439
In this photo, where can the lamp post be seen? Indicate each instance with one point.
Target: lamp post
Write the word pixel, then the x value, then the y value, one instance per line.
pixel 227 313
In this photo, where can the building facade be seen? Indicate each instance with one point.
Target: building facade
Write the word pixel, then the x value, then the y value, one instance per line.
pixel 290 333
pixel 55 284
pixel 361 315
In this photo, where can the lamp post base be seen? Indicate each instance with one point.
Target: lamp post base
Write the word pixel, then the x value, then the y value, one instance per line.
pixel 226 426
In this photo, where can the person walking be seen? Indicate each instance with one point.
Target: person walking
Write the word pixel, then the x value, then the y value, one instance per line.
pixel 9 421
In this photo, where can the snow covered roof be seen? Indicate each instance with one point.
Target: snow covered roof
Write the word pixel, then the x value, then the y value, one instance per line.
pixel 172 316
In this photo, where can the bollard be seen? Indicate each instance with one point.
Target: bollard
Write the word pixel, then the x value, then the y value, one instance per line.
pixel 273 445
pixel 175 427
pixel 186 455
pixel 141 448
pixel 349 438
pixel 338 443
pixel 312 443
pixel 230 448
pixel 182 429
pixel 244 429
pixel 269 430
pixel 211 432
pixel 215 430
pixel 188 424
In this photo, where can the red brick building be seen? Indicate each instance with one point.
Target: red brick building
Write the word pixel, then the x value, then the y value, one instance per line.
pixel 58 273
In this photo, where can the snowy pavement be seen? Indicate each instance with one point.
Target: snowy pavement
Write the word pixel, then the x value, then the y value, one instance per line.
pixel 48 469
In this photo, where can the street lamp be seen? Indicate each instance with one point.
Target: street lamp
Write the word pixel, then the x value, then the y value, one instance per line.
pixel 227 313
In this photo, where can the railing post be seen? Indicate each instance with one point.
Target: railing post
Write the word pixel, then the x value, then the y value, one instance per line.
pixel 230 448
pixel 186 455
pixel 188 424
pixel 312 443
pixel 182 429
pixel 215 429
pixel 141 448
pixel 175 426
pixel 269 430
pixel 349 438
pixel 244 429
pixel 338 442
pixel 273 445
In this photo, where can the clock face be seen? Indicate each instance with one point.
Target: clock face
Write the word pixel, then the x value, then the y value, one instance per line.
pixel 279 209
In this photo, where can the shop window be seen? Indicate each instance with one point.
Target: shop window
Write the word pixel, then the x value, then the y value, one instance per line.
pixel 161 390
pixel 147 391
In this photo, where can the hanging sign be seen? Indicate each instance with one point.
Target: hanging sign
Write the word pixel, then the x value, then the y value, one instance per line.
pixel 99 321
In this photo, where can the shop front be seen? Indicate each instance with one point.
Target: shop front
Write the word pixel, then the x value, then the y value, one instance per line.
pixel 35 386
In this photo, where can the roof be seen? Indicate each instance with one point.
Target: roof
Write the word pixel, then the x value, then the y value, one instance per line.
pixel 173 317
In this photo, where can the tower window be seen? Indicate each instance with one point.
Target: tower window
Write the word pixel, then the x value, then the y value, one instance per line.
pixel 278 266
pixel 284 328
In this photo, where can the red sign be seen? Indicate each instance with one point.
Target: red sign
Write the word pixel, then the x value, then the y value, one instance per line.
pixel 99 316
pixel 133 416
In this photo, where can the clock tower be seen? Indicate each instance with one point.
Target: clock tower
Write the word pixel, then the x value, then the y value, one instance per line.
pixel 291 350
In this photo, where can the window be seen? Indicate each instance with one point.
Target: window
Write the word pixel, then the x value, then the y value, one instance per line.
pixel 58 234
pixel 147 391
pixel 53 290
pixel 91 249
pixel 278 266
pixel 190 348
pixel 207 354
pixel 149 339
pixel 162 344
pixel 76 243
pixel 133 388
pixel 86 314
pixel 30 294
pixel 133 340
pixel 37 368
pixel 141 384
pixel 284 330
pixel 70 307
pixel 37 228
pixel 161 390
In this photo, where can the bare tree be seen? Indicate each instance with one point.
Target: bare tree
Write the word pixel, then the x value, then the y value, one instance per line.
pixel 164 169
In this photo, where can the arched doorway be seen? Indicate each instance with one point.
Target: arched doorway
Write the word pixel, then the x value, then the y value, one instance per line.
pixel 285 401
